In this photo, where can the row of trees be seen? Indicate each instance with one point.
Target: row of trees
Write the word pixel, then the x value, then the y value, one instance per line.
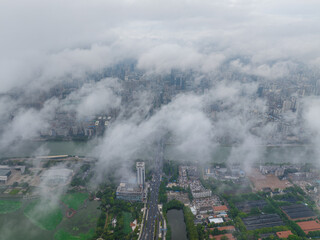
pixel 171 169
pixel 189 220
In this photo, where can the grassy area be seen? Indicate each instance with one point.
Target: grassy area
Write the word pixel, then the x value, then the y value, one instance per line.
pixel 84 220
pixel 74 200
pixel 43 215
pixel 127 218
pixel 63 235
pixel 14 191
pixel 7 206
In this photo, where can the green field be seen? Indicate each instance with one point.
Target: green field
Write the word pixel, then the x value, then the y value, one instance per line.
pixel 7 206
pixel 63 235
pixel 43 215
pixel 24 229
pixel 14 191
pixel 127 218
pixel 74 200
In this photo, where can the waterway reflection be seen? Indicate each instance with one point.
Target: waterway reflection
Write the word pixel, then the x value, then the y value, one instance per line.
pixel 176 222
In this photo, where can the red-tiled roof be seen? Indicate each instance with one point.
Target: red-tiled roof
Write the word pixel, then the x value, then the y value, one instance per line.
pixel 227 228
pixel 218 237
pixel 284 234
pixel 309 226
pixel 220 208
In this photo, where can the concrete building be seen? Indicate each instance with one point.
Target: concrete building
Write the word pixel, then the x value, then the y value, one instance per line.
pixel 140 173
pixel 129 192
pixel 4 175
pixel 220 209
pixel 201 193
pixel 198 191
pixel 215 220
pixel 17 167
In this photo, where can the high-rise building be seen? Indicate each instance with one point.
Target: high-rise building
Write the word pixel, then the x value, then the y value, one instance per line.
pixel 140 173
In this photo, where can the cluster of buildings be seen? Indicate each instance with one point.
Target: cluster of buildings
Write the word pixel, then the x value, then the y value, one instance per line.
pixel 6 172
pixel 283 98
pixel 134 191
pixel 206 206
pixel 66 125
pixel 233 173
pixel 198 191
pixel 308 178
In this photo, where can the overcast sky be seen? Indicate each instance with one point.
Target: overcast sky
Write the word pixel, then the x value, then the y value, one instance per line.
pixel 43 40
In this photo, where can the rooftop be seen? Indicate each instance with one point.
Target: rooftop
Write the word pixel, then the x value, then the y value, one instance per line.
pixel 219 237
pixel 140 164
pixel 284 234
pixel 4 172
pixel 215 220
pixel 220 208
pixel 262 221
pixel 309 226
pixel 128 188
pixel 298 211
pixel 227 228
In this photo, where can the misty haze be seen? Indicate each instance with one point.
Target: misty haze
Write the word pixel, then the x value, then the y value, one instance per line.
pixel 149 120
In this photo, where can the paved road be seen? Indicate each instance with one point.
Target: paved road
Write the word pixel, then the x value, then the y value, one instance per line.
pixel 148 232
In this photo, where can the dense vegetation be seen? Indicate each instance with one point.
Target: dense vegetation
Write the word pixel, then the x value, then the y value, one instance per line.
pixel 191 228
pixel 122 211
pixel 171 169
pixel 83 176
pixel 162 191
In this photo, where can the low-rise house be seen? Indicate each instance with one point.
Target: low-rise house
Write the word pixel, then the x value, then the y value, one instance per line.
pixel 220 209
pixel 215 220
pixel 284 234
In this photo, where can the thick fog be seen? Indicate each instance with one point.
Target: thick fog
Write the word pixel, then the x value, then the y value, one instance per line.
pixel 234 45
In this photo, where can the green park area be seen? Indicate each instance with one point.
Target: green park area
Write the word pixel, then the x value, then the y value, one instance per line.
pixel 127 218
pixel 64 235
pixel 44 215
pixel 7 206
pixel 74 200
pixel 14 191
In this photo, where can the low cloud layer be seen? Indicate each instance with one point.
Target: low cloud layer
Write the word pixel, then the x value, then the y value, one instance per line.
pixel 228 48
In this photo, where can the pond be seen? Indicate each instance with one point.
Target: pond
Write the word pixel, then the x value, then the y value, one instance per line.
pixel 176 222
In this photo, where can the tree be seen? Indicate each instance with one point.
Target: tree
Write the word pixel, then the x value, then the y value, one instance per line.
pixel 99 194
pixel 293 237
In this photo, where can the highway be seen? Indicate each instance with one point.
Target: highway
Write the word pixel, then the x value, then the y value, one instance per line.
pixel 153 216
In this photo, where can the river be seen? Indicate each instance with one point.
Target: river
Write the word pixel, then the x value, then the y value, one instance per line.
pixel 176 222
pixel 275 154
pixel 36 148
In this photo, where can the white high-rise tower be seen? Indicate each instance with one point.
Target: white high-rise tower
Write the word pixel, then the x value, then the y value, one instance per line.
pixel 140 173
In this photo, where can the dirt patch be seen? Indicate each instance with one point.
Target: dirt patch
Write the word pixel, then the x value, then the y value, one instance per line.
pixel 261 181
